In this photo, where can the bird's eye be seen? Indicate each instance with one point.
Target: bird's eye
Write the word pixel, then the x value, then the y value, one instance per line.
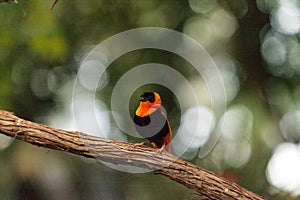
pixel 148 96
pixel 151 99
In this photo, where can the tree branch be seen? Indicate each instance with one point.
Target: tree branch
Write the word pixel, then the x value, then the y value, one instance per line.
pixel 117 152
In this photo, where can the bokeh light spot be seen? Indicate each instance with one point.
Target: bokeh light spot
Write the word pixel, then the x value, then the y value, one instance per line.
pixel 198 118
pixel 5 142
pixel 283 168
pixel 203 6
pixel 274 50
pixel 238 124
pixel 294 58
pixel 201 29
pixel 237 154
pixel 90 72
pixel 39 84
pixel 225 23
pixel 289 126
pixel 286 19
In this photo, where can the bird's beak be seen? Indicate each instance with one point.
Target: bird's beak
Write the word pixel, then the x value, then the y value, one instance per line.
pixel 143 99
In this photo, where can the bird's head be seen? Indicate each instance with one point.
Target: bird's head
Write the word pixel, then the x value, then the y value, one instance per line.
pixel 149 103
pixel 151 99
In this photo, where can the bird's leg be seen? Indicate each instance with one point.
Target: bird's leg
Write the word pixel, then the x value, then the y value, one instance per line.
pixel 161 149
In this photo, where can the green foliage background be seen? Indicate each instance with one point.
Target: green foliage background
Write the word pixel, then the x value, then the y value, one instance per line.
pixel 36 42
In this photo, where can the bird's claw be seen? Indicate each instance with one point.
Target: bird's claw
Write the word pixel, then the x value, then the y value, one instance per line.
pixel 160 150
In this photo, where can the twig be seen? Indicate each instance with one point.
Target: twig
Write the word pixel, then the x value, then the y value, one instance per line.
pixel 15 1
pixel 54 3
pixel 117 152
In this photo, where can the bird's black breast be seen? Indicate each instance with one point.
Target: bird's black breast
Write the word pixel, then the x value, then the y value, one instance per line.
pixel 153 127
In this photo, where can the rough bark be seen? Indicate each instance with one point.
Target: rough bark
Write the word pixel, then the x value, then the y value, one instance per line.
pixel 117 152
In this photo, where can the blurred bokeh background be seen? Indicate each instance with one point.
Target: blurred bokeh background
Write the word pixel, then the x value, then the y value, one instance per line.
pixel 255 45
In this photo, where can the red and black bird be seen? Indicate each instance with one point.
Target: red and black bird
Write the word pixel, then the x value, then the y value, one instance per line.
pixel 151 123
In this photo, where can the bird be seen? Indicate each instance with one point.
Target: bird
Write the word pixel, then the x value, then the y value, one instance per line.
pixel 151 122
